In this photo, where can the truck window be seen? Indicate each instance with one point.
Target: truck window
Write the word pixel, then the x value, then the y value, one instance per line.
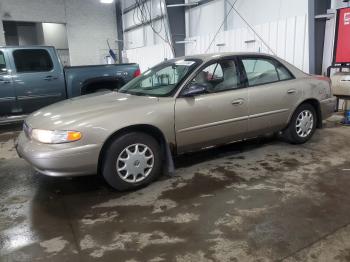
pixel 32 60
pixel 2 63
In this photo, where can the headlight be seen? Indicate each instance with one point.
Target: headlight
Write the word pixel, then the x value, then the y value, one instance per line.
pixel 55 137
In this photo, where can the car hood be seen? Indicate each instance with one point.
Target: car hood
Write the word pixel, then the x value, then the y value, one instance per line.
pixel 87 108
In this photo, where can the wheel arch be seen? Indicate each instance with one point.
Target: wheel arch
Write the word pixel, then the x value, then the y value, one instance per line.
pixel 151 130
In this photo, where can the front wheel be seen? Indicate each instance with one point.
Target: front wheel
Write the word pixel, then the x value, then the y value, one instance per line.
pixel 132 160
pixel 302 125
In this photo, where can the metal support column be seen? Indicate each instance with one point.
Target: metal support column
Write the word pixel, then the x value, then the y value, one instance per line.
pixel 316 34
pixel 177 27
pixel 120 35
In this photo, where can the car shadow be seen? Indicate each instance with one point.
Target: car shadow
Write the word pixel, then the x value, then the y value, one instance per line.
pixel 228 150
pixel 96 183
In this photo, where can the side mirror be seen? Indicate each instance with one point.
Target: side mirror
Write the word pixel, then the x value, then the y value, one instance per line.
pixel 194 89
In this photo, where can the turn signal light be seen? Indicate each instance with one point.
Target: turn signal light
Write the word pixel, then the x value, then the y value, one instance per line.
pixel 73 136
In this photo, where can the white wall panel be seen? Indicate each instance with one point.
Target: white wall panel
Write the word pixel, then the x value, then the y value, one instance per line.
pixel 89 23
pixel 134 38
pixel 148 56
pixel 206 18
pixel 273 35
pixel 300 43
pixel 131 19
pixel 262 11
pixel 281 37
pixel 286 37
pixel 55 35
pixel 289 50
pixel 328 44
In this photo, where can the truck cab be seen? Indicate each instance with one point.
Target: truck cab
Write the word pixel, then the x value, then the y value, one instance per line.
pixel 29 79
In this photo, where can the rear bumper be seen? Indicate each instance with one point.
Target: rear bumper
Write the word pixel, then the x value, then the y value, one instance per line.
pixel 59 160
pixel 328 107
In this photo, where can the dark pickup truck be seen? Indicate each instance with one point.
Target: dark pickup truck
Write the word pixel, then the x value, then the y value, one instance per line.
pixel 32 77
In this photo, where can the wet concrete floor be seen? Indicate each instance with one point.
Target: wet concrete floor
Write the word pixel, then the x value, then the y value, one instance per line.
pixel 262 200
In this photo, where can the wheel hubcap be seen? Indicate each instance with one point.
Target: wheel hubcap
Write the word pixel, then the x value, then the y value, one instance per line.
pixel 135 163
pixel 304 123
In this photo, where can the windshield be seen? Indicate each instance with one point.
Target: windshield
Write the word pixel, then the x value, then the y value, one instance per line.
pixel 160 80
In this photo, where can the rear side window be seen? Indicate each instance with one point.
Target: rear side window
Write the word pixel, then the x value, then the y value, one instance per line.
pixel 263 71
pixel 32 60
pixel 283 73
pixel 2 63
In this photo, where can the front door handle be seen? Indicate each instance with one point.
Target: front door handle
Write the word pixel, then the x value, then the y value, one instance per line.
pixel 238 102
pixel 4 81
pixel 291 91
pixel 49 78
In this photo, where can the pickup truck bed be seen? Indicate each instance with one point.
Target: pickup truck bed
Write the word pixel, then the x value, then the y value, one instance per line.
pixel 89 79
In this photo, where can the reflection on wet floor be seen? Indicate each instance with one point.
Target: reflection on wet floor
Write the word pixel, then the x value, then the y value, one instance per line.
pixel 259 200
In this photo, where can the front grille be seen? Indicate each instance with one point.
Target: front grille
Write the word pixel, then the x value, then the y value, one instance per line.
pixel 27 130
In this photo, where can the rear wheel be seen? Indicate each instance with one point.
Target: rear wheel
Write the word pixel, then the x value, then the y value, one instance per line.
pixel 132 160
pixel 302 125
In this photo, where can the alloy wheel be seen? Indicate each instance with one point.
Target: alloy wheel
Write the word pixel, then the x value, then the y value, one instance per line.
pixel 135 163
pixel 304 123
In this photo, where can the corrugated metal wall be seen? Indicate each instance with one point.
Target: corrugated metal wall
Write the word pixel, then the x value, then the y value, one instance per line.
pixel 288 38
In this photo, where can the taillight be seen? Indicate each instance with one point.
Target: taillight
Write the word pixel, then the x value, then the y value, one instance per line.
pixel 137 73
pixel 329 82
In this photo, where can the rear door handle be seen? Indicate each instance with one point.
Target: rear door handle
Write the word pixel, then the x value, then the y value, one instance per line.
pixel 291 91
pixel 238 102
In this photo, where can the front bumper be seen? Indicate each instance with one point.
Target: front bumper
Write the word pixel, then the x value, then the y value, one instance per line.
pixel 67 159
pixel 328 107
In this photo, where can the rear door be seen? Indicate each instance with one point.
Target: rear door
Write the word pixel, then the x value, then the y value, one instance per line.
pixel 7 93
pixel 38 78
pixel 273 93
pixel 214 118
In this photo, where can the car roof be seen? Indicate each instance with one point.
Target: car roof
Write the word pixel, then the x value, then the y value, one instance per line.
pixel 207 57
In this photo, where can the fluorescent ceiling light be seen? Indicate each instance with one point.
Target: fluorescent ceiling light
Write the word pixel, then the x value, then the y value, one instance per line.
pixel 106 1
pixel 185 42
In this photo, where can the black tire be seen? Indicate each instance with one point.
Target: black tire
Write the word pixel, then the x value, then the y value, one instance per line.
pixel 109 164
pixel 291 134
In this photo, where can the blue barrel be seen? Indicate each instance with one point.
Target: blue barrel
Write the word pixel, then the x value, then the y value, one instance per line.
pixel 347 117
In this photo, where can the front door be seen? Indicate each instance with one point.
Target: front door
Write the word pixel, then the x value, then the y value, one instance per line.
pixel 217 116
pixel 7 93
pixel 37 81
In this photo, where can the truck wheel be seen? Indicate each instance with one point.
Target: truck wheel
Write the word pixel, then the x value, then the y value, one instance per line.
pixel 131 161
pixel 302 125
pixel 102 90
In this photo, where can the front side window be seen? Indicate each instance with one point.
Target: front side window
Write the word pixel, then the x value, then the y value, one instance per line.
pixel 219 76
pixel 2 63
pixel 160 80
pixel 263 71
pixel 32 60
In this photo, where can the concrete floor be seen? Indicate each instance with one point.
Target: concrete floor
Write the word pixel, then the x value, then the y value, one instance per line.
pixel 262 200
